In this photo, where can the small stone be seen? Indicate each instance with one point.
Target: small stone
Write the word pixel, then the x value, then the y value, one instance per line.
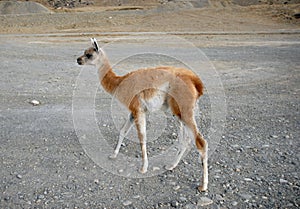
pixel 127 202
pixel 183 199
pixel 204 201
pixel 190 206
pixel 248 179
pixel 274 136
pixel 234 203
pixel 176 187
pixel 40 196
pixel 121 171
pixel 34 102
pixel 283 181
pixel 136 196
pixel 96 181
pixel 19 176
pixel 174 204
pixel 173 183
pixel 219 197
pixel 156 169
pixel 246 196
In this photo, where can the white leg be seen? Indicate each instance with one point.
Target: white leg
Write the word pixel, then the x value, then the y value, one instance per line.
pixel 205 170
pixel 123 132
pixel 141 129
pixel 183 141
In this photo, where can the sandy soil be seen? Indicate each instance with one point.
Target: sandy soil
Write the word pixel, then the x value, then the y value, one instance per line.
pixel 216 17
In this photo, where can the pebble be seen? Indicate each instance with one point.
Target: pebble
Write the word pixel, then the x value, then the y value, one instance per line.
pixel 283 181
pixel 190 206
pixel 183 199
pixel 245 196
pixel 136 196
pixel 234 203
pixel 127 202
pixel 39 197
pixel 19 176
pixel 35 102
pixel 219 197
pixel 204 201
pixel 174 204
pixel 176 187
pixel 248 179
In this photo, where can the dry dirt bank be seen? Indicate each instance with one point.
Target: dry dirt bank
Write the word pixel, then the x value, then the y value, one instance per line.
pixel 216 17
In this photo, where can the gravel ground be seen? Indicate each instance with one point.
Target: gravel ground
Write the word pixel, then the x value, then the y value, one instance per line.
pixel 256 162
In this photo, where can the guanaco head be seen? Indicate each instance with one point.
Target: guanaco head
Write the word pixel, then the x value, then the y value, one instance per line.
pixel 92 56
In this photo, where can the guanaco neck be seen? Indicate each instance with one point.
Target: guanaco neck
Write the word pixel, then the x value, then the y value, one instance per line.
pixel 109 80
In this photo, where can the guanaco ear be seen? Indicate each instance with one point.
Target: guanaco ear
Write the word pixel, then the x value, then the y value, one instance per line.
pixel 95 44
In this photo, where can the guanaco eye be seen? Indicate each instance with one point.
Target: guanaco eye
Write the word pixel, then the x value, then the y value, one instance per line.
pixel 88 56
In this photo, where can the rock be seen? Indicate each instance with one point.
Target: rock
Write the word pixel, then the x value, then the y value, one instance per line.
pixel 219 197
pixel 18 7
pixel 174 204
pixel 183 199
pixel 19 176
pixel 136 196
pixel 203 201
pixel 297 15
pixel 41 196
pixel 35 102
pixel 176 187
pixel 234 203
pixel 248 179
pixel 127 202
pixel 283 181
pixel 190 206
pixel 245 196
